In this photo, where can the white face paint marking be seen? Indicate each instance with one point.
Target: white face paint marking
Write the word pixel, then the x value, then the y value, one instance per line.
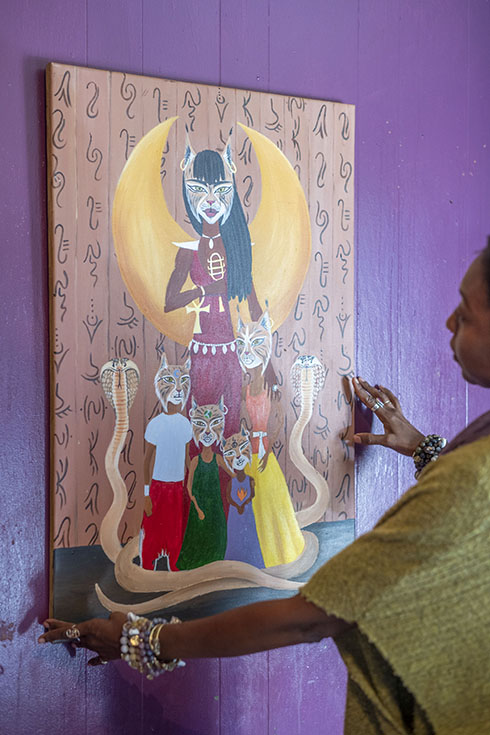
pixel 254 343
pixel 172 383
pixel 237 450
pixel 210 202
pixel 208 423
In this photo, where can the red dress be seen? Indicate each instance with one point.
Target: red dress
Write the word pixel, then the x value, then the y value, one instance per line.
pixel 215 369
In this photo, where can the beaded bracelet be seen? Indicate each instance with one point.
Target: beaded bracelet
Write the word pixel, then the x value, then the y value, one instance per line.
pixel 427 451
pixel 140 645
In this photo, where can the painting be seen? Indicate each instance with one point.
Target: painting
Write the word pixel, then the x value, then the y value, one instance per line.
pixel 201 293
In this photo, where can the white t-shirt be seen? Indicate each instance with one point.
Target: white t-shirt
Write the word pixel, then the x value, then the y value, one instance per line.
pixel 170 435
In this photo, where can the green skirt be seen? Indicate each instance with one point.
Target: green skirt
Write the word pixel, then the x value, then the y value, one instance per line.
pixel 204 541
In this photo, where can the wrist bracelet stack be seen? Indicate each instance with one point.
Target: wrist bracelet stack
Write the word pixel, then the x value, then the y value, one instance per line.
pixel 427 451
pixel 140 645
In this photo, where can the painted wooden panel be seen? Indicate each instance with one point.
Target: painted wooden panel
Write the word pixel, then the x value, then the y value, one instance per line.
pixel 108 304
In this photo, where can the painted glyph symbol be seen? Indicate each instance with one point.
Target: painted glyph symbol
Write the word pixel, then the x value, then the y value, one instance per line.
pixel 242 494
pixel 197 307
pixel 216 266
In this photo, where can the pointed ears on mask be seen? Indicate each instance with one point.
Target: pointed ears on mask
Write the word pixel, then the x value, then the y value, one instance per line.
pixel 189 154
pixel 227 156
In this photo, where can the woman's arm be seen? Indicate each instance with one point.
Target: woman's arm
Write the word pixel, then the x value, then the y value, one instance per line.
pixel 148 462
pixel 245 420
pixel 257 627
pixel 190 480
pixel 254 307
pixel 274 425
pixel 221 463
pixel 190 476
pixel 248 629
pixel 229 496
pixel 275 422
pixel 175 298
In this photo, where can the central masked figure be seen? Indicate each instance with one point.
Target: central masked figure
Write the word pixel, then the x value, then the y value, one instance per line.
pixel 220 267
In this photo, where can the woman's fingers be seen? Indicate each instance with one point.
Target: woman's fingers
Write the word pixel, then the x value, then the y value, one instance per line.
pixel 60 630
pixel 366 392
pixel 372 390
pixel 99 635
pixel 51 623
pixel 391 396
pixel 377 399
pixel 370 439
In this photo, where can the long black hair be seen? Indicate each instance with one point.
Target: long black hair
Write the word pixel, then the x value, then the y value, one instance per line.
pixel 208 167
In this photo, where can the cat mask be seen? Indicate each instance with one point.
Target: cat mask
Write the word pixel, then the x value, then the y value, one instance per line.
pixel 254 343
pixel 172 383
pixel 237 450
pixel 208 422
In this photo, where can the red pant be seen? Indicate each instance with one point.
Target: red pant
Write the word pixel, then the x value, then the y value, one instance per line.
pixel 163 531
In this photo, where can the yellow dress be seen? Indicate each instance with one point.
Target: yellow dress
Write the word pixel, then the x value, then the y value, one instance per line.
pixel 280 538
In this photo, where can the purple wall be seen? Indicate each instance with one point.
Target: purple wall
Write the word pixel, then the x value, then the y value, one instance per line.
pixel 418 72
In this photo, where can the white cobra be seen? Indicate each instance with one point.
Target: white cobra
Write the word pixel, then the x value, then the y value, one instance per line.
pixel 120 380
pixel 308 377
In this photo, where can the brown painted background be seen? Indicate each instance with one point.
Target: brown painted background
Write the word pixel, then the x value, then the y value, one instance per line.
pixel 95 119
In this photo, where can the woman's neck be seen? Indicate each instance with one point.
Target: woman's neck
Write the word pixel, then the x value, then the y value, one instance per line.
pixel 256 380
pixel 207 454
pixel 210 230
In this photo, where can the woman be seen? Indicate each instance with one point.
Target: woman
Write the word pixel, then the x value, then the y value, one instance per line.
pixel 219 265
pixel 280 537
pixel 407 603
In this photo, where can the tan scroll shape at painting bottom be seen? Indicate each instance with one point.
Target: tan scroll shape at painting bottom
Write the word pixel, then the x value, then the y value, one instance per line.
pixel 144 232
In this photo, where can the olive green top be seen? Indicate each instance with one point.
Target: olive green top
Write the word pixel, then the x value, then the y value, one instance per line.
pixel 418 587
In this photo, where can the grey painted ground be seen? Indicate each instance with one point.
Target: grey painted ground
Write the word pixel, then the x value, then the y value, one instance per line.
pixel 78 569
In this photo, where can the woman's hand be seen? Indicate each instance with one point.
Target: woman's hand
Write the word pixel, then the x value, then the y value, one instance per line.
pixel 270 382
pixel 263 462
pixel 217 287
pixel 99 635
pixel 148 506
pixel 399 434
pixel 199 512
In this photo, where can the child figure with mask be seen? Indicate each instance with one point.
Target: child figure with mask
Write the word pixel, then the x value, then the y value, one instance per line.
pixel 167 439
